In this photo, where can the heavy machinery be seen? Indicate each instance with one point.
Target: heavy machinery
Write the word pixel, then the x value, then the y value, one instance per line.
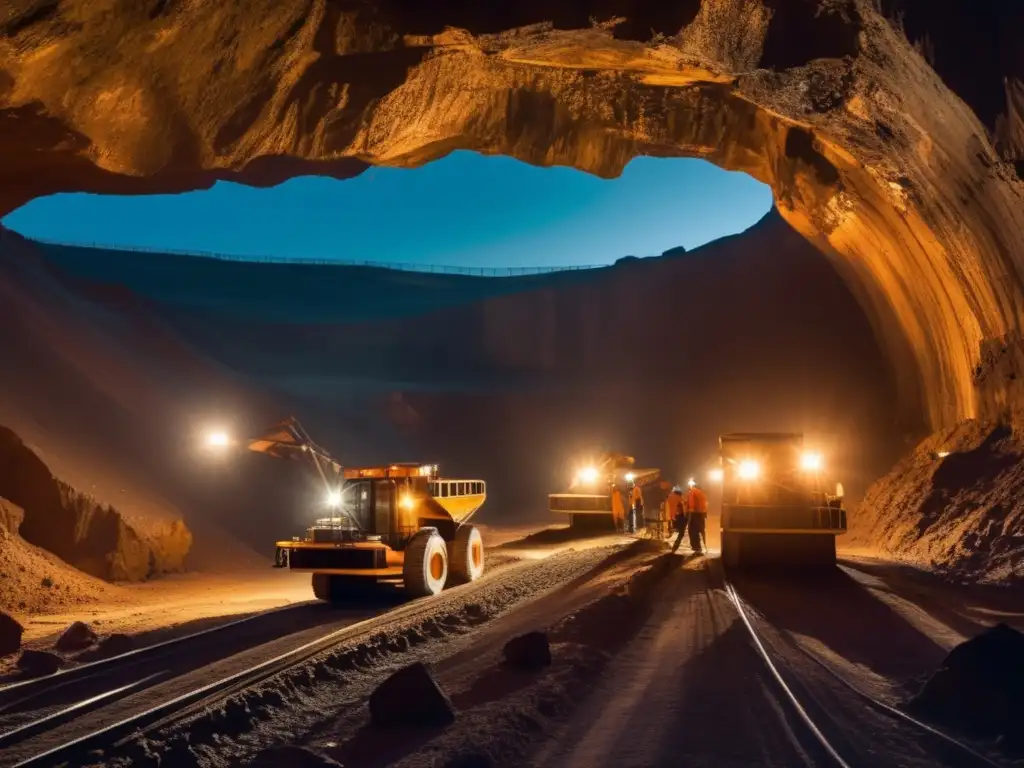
pixel 588 501
pixel 397 521
pixel 776 509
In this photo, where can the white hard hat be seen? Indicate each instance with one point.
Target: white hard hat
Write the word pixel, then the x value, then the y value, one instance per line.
pixel 676 489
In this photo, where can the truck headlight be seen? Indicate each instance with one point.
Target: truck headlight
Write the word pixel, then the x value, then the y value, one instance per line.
pixel 749 470
pixel 810 462
pixel 588 475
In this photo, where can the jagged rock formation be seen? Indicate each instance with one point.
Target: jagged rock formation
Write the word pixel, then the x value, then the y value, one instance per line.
pixel 93 537
pixel 896 149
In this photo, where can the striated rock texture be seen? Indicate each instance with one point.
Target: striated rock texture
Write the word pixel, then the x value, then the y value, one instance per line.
pixel 891 131
pixel 954 503
pixel 93 537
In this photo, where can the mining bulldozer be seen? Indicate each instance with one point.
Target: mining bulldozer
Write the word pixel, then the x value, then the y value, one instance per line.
pixel 777 508
pixel 395 521
pixel 588 501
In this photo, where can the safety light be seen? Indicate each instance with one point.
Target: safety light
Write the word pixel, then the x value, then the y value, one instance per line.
pixel 690 483
pixel 749 470
pixel 942 454
pixel 588 475
pixel 630 477
pixel 810 462
pixel 334 498
pixel 407 502
pixel 715 475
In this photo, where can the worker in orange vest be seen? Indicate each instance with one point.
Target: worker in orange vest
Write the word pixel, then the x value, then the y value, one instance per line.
pixel 675 508
pixel 618 509
pixel 636 508
pixel 697 516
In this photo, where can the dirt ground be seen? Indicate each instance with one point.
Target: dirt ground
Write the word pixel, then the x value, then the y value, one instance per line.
pixel 178 604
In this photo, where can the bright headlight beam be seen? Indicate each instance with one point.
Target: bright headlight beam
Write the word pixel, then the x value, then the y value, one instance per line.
pixel 810 462
pixel 749 470
pixel 588 474
pixel 716 475
pixel 334 498
pixel 218 439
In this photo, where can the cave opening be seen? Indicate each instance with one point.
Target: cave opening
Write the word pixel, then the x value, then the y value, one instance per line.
pixel 698 310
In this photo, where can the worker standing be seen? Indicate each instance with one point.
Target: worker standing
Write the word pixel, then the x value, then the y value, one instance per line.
pixel 618 509
pixel 636 508
pixel 697 516
pixel 675 509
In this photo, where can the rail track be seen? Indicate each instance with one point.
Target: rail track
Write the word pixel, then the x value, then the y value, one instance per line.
pixel 116 732
pixel 952 750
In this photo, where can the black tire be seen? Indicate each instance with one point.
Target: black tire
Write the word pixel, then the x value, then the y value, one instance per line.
pixel 466 556
pixel 333 588
pixel 425 568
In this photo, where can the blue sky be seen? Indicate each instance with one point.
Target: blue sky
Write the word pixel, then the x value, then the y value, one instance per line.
pixel 464 210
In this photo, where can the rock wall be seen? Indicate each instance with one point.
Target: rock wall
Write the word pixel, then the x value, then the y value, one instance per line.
pixel 954 503
pixel 889 130
pixel 93 537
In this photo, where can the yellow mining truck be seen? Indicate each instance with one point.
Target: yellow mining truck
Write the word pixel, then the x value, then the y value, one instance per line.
pixel 396 521
pixel 588 502
pixel 777 508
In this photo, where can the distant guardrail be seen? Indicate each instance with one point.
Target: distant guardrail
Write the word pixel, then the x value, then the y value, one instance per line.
pixel 393 265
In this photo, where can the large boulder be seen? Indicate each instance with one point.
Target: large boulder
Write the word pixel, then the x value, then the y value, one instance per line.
pixel 979 689
pixel 39 663
pixel 11 516
pixel 10 634
pixel 76 637
pixel 528 652
pixel 410 696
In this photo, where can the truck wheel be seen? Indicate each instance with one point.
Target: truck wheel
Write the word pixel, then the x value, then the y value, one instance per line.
pixel 425 568
pixel 467 563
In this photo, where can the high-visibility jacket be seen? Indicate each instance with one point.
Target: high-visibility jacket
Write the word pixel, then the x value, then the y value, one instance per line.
pixel 674 504
pixel 618 506
pixel 636 496
pixel 696 501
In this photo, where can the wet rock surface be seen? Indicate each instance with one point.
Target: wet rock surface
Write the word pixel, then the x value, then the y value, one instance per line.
pixel 979 690
pixel 529 652
pixel 410 697
pixel 10 634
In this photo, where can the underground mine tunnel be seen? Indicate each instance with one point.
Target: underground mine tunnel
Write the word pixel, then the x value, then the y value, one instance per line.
pixel 890 135
pixel 896 157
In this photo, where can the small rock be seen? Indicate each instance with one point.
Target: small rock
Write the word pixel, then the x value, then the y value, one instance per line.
pixel 76 637
pixel 410 697
pixel 530 651
pixel 39 663
pixel 293 757
pixel 10 634
pixel 115 645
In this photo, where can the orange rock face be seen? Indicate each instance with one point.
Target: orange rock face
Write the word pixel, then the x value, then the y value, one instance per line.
pixel 894 147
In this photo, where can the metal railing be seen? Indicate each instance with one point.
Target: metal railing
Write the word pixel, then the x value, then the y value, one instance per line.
pixel 390 265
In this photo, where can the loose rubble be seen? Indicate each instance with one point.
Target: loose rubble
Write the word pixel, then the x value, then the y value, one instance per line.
pixel 39 663
pixel 529 652
pixel 410 696
pixel 10 634
pixel 979 690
